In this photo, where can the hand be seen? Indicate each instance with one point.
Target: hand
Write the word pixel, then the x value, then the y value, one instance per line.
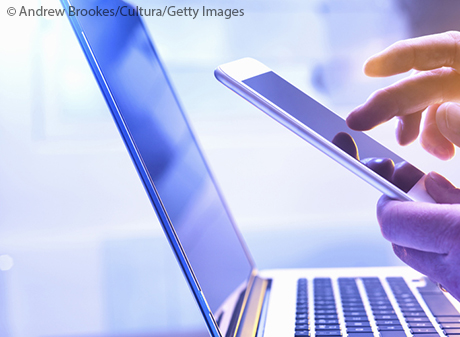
pixel 435 88
pixel 427 236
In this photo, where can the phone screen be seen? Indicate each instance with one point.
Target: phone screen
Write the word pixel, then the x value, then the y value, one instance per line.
pixel 334 129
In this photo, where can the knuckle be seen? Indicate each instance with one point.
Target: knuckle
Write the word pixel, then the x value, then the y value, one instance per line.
pixel 455 36
pixel 403 44
pixel 390 96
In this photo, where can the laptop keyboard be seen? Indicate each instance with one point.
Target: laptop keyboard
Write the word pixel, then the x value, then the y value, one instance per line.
pixel 374 315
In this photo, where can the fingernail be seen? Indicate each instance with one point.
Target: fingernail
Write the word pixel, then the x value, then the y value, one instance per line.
pixel 351 119
pixel 435 177
pixel 439 180
pixel 453 117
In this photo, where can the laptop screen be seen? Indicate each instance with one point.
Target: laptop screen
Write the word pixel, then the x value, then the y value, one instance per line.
pixel 166 148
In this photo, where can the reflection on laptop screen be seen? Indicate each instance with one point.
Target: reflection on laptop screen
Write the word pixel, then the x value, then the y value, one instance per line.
pixel 168 150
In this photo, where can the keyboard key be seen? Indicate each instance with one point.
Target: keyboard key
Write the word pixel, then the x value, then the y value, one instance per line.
pixel 322 305
pixel 409 304
pixel 415 309
pixel 301 327
pixel 383 312
pixel 326 316
pixel 405 297
pixel 358 324
pixel 379 302
pixel 398 333
pixel 387 322
pixel 327 327
pixel 405 306
pixel 352 304
pixel 356 319
pixel 361 334
pixel 352 299
pixel 406 300
pixel 385 317
pixel 390 328
pixel 450 325
pixel 382 307
pixel 326 321
pixel 448 319
pixel 359 329
pixel 329 298
pixel 417 319
pixel 324 302
pixel 358 308
pixel 325 312
pixel 423 330
pixel 377 295
pixel 414 314
pixel 355 313
pixel 420 325
pixel 450 331
pixel 328 333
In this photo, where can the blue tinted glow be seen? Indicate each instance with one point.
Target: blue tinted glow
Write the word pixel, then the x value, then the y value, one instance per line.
pixel 168 151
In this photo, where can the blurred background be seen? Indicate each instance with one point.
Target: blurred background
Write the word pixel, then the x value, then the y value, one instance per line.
pixel 81 250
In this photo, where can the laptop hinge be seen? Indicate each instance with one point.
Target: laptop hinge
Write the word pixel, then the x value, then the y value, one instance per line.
pixel 252 311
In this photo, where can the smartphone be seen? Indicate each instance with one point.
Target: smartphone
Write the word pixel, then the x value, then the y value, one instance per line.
pixel 325 130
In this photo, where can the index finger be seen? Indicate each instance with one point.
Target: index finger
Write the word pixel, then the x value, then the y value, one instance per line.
pixel 423 226
pixel 407 96
pixel 422 53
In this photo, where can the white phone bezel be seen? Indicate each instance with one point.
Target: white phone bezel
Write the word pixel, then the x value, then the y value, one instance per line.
pixel 234 73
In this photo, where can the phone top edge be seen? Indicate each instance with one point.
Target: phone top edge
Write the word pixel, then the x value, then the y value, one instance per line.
pixel 243 69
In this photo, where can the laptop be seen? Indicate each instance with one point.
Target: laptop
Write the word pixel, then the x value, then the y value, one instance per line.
pixel 234 297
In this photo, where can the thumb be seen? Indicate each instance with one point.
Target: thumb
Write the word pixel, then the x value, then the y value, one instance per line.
pixel 448 121
pixel 441 189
